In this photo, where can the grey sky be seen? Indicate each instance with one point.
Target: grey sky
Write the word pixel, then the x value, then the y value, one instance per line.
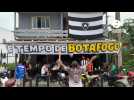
pixel 7 18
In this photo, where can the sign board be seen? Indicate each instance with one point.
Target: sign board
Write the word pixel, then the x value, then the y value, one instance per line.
pixel 95 47
pixel 66 48
pixel 116 24
pixel 36 48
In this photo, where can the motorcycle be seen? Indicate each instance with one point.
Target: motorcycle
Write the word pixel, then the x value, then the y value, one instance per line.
pixel 90 80
pixel 131 78
pixel 56 76
pixel 5 81
pixel 114 80
pixel 63 78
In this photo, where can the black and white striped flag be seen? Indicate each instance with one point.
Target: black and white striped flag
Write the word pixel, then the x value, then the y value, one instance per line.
pixel 86 25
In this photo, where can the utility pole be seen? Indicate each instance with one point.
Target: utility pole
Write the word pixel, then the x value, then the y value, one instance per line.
pixel 14 21
pixel 107 57
pixel 1 57
pixel 14 36
pixel 106 18
pixel 117 17
pixel 106 28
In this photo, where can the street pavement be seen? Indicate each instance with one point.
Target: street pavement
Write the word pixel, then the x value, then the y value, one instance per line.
pixel 51 84
pixel 43 84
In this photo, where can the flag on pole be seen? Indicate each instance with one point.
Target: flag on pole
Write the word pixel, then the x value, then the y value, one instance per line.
pixel 86 25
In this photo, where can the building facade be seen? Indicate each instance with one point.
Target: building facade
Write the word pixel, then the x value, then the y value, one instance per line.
pixel 6 36
pixel 40 26
pixel 39 34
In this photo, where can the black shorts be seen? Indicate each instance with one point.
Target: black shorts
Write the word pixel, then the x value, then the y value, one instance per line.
pixel 29 72
pixel 90 73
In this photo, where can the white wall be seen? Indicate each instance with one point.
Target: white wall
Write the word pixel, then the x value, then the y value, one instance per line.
pixel 8 36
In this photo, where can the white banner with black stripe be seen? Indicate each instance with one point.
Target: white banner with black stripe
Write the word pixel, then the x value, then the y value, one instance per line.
pixel 86 24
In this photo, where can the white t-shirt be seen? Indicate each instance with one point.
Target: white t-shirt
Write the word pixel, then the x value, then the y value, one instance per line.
pixel 74 76
pixel 83 62
pixel 44 69
pixel 3 81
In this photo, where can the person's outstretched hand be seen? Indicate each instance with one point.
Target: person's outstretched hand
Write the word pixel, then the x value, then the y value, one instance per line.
pixel 59 53
pixel 94 57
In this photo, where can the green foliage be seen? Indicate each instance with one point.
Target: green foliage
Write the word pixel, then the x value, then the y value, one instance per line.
pixel 128 59
pixel 11 66
pixel 129 65
pixel 129 27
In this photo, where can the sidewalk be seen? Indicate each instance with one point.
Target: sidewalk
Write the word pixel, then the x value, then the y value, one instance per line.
pixel 43 84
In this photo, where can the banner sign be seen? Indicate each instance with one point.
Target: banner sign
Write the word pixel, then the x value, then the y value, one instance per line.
pixel 66 48
pixel 37 48
pixel 99 47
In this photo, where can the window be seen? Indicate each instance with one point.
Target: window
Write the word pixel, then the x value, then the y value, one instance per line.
pixel 47 21
pixel 43 22
pixel 34 25
pixel 65 23
pixel 40 22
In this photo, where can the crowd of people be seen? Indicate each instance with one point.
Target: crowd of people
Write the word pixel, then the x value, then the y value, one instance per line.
pixel 74 70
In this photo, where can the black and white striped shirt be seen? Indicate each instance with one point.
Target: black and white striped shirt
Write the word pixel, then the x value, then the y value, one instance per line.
pixel 83 62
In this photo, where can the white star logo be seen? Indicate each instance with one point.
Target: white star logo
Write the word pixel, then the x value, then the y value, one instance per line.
pixel 85 26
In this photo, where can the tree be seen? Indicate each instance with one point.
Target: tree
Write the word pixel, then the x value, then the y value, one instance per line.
pixel 129 40
pixel 129 27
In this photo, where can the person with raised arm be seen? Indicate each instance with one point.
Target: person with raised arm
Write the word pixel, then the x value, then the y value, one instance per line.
pixel 89 65
pixel 74 72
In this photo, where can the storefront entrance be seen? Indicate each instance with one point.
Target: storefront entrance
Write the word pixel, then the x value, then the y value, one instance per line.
pixel 67 59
